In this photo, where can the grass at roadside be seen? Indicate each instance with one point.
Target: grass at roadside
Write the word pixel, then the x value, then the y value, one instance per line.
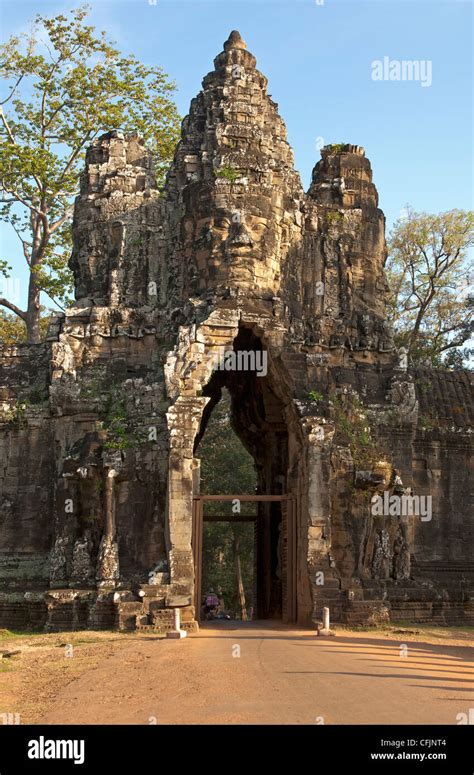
pixel 47 662
pixel 453 636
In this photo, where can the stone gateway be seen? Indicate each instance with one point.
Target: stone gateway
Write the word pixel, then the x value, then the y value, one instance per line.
pixel 101 423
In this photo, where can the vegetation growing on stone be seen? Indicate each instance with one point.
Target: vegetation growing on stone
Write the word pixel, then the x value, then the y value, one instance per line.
pixel 228 173
pixel 333 217
pixel 353 429
pixel 337 147
pixel 316 396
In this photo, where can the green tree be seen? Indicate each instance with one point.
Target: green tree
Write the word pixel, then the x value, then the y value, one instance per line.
pixel 430 277
pixel 13 331
pixel 228 547
pixel 66 84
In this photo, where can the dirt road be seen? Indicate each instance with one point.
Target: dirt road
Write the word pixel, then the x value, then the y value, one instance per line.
pixel 247 673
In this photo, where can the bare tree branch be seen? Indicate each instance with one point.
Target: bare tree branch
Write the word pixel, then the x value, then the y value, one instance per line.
pixel 13 308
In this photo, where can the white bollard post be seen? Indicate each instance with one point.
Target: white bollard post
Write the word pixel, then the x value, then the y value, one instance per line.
pixel 324 629
pixel 177 632
pixel 326 618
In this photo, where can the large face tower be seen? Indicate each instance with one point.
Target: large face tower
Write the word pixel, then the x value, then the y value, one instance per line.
pixel 234 199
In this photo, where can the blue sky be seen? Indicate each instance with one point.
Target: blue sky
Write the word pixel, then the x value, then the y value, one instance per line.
pixel 318 59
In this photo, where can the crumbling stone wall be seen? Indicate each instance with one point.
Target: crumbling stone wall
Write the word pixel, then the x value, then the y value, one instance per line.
pixel 101 424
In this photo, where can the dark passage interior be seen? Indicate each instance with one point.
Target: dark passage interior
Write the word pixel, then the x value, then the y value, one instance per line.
pixel 243 448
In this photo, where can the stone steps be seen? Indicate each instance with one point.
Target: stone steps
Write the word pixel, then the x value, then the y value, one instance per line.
pixel 329 594
pixel 359 612
pixel 189 626
pixel 441 613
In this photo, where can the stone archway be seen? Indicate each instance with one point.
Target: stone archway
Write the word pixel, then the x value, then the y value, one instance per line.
pixel 265 420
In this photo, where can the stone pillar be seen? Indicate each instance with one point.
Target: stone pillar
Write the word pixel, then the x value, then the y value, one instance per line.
pixel 184 419
pixel 196 476
pixel 109 531
pixel 319 434
pixel 319 441
pixel 62 549
pixel 108 559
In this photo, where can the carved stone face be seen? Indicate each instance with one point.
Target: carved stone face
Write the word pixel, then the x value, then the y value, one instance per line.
pixel 229 234
pixel 241 234
pixel 239 243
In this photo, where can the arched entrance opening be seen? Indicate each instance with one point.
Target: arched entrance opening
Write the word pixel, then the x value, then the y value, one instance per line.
pixel 257 417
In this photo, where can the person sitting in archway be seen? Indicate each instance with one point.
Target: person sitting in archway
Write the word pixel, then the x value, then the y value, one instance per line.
pixel 211 604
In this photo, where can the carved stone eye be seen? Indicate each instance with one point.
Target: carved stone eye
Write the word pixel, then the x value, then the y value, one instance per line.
pixel 222 223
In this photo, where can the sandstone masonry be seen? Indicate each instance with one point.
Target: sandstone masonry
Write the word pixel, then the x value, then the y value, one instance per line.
pixel 100 425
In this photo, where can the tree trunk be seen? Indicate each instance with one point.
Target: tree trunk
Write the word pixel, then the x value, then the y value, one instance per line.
pixel 238 575
pixel 33 313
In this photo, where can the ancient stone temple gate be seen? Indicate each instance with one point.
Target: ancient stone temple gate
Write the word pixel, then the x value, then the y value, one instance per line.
pixel 101 424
